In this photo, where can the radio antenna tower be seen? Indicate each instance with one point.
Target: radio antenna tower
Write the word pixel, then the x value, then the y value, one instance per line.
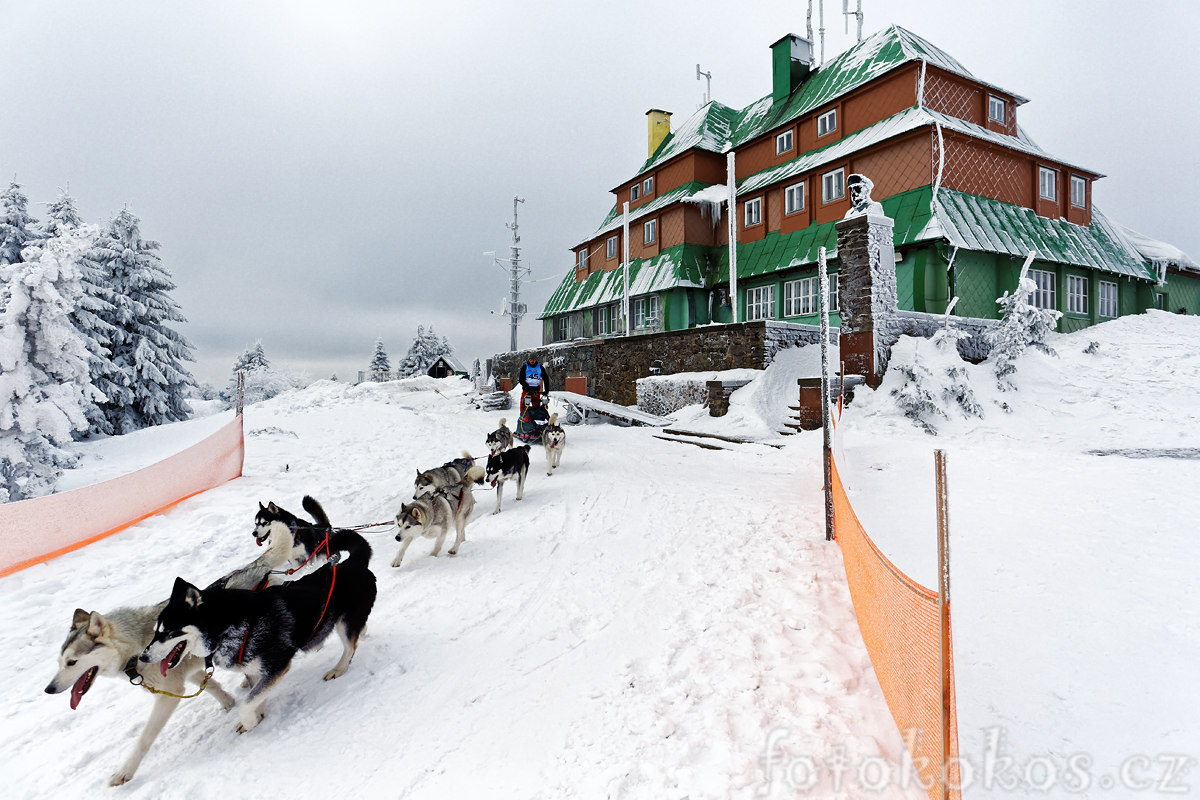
pixel 708 91
pixel 514 309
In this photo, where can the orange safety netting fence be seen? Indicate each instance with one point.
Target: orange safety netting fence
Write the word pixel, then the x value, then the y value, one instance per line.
pixel 42 528
pixel 900 625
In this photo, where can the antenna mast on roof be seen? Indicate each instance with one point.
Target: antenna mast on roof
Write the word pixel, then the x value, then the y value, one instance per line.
pixel 515 308
pixel 858 16
pixel 707 91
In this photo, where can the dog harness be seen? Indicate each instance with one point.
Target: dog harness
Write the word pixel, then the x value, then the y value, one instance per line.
pixel 136 679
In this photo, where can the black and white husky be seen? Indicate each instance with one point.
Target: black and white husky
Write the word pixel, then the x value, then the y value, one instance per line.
pixel 109 644
pixel 512 463
pixel 554 439
pixel 306 540
pixel 433 515
pixel 260 632
pixel 448 474
pixel 500 439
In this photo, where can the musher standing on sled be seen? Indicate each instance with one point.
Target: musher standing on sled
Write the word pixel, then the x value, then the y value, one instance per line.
pixel 534 381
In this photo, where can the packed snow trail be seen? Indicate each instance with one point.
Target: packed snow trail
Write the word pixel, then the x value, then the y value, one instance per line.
pixel 640 625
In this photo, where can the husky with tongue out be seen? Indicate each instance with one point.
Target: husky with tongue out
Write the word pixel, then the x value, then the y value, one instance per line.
pixel 109 644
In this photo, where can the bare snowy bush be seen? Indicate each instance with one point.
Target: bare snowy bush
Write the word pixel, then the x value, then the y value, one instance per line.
pixel 665 394
pixel 1022 325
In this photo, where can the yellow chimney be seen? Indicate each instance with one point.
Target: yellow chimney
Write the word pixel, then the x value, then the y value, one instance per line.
pixel 659 127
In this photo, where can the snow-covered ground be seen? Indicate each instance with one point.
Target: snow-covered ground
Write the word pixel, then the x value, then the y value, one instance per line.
pixel 654 618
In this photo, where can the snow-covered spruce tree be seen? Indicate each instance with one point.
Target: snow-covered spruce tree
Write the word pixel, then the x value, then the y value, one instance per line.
pixel 381 365
pixel 917 397
pixel 262 381
pixel 957 386
pixel 16 226
pixel 146 352
pixel 45 382
pixel 427 348
pixel 1022 325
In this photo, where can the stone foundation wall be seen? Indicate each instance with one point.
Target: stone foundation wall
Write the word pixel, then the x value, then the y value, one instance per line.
pixel 612 366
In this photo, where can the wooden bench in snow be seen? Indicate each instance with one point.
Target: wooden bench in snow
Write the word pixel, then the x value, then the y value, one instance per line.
pixel 630 415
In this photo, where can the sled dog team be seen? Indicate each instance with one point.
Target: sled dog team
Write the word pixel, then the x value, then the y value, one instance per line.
pixel 256 618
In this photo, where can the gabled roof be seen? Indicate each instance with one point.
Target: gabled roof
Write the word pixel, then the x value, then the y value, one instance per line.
pixel 707 129
pixel 613 222
pixel 682 266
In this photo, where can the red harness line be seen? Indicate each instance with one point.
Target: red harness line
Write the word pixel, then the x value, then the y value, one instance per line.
pixel 322 546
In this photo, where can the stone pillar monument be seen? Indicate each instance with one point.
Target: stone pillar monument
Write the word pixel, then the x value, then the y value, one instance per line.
pixel 866 284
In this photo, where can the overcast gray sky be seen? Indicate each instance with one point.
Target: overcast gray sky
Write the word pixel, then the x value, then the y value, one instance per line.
pixel 324 173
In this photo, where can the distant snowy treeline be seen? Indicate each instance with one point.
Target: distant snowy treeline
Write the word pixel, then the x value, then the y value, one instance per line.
pixel 88 343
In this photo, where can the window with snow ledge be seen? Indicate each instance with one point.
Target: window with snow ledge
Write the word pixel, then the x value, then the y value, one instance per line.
pixel 1078 192
pixel 611 247
pixel 793 198
pixel 1108 299
pixel 833 185
pixel 760 303
pixel 753 212
pixel 645 312
pixel 783 142
pixel 996 108
pixel 1043 295
pixel 827 122
pixel 1048 183
pixel 650 232
pixel 1077 294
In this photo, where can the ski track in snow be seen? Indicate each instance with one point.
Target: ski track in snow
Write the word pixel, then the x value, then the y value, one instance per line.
pixel 635 627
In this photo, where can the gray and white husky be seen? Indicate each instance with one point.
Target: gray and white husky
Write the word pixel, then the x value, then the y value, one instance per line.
pixel 109 644
pixel 554 439
pixel 433 515
pixel 448 474
pixel 500 439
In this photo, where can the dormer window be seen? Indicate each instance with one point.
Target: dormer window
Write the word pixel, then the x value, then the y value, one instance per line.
pixel 833 185
pixel 783 142
pixel 611 251
pixel 1078 192
pixel 1048 183
pixel 827 122
pixel 648 186
pixel 996 108
pixel 650 232
pixel 581 259
pixel 634 192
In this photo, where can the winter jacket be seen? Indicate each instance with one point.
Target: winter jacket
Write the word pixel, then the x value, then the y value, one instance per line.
pixel 533 378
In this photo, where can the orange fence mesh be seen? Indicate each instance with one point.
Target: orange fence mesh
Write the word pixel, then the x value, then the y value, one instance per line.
pixel 899 621
pixel 37 530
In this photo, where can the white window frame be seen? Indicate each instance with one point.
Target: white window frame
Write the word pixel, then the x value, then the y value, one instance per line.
pixel 1108 300
pixel 827 122
pixel 645 312
pixel 1078 198
pixel 752 213
pixel 783 142
pixel 581 259
pixel 1047 182
pixel 648 186
pixel 650 231
pixel 562 328
pixel 602 320
pixel 838 182
pixel 1077 294
pixel 792 195
pixel 791 298
pixel 760 302
pixel 611 247
pixel 634 192
pixel 995 103
pixel 1044 294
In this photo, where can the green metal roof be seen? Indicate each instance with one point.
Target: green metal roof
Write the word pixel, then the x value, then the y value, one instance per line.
pixel 680 266
pixel 613 222
pixel 708 129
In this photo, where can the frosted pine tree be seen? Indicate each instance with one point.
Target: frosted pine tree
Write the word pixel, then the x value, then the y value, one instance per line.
pixel 426 348
pixel 381 366
pixel 45 382
pixel 262 381
pixel 1022 325
pixel 146 352
pixel 16 226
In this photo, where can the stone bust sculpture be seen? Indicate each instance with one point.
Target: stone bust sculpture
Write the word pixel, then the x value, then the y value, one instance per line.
pixel 860 187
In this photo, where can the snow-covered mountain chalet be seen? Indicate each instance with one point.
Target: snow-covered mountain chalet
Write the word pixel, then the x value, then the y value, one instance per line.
pixel 970 194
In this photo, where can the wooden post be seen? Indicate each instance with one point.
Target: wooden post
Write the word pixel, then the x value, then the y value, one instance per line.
pixel 826 421
pixel 943 524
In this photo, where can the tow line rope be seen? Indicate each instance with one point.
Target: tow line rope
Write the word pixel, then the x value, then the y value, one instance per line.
pixel 136 679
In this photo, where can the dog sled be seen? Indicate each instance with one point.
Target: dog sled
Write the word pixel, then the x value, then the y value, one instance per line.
pixel 534 417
